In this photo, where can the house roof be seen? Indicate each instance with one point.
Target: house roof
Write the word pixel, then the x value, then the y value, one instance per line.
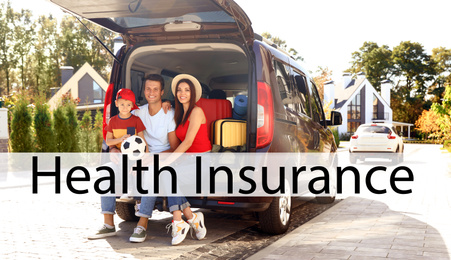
pixel 72 84
pixel 341 96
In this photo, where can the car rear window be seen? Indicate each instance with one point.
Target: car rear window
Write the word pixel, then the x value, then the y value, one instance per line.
pixel 374 129
pixel 201 17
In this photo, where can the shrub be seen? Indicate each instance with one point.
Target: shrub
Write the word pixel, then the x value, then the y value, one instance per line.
pixel 61 127
pixel 86 140
pixel 98 124
pixel 21 137
pixel 345 136
pixel 336 137
pixel 72 125
pixel 45 139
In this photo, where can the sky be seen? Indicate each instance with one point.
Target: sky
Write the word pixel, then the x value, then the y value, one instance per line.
pixel 326 32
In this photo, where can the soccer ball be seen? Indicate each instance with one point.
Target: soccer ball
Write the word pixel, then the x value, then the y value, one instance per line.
pixel 134 147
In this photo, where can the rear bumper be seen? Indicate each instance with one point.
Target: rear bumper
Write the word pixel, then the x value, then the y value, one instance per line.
pixel 372 149
pixel 230 205
pixel 237 204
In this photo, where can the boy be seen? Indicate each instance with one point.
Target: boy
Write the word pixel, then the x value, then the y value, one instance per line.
pixel 118 130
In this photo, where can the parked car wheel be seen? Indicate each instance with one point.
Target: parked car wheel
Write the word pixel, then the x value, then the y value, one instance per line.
pixel 325 199
pixel 126 211
pixel 276 219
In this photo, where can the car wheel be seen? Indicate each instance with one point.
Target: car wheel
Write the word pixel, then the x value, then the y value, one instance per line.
pixel 126 211
pixel 276 219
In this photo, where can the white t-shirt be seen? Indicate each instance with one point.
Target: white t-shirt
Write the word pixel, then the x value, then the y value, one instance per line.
pixel 157 128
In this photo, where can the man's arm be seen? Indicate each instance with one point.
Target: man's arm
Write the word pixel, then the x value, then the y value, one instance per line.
pixel 173 142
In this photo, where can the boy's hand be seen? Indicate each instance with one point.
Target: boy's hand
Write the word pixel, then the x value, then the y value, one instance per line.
pixel 124 137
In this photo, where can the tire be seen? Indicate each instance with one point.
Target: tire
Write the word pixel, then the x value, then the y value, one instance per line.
pixel 325 200
pixel 126 211
pixel 276 219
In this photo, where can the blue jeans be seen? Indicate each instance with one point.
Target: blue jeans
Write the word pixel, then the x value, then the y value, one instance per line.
pixel 108 205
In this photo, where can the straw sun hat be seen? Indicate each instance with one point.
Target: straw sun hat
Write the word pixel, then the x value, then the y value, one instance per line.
pixel 197 86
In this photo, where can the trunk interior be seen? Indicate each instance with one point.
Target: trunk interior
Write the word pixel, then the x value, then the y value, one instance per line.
pixel 221 68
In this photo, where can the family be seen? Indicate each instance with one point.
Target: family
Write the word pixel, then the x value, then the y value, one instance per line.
pixel 181 131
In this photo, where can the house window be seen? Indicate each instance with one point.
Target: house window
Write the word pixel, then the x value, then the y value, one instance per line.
pixel 375 105
pixel 354 108
pixel 354 115
pixel 352 126
pixel 98 94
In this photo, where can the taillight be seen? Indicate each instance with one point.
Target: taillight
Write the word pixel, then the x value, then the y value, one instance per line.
pixel 391 137
pixel 107 108
pixel 265 115
pixel 226 203
pixel 354 136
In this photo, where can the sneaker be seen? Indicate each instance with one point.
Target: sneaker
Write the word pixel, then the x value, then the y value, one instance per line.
pixel 104 232
pixel 198 225
pixel 179 231
pixel 139 235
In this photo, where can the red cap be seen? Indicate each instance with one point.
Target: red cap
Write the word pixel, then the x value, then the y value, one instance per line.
pixel 127 94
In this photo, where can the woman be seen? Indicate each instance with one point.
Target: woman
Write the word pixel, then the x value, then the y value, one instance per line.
pixel 192 131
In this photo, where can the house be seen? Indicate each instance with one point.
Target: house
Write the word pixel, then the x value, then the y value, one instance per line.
pixel 86 85
pixel 359 102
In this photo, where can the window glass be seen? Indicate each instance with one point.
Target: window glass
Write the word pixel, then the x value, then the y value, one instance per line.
pixel 98 94
pixel 354 108
pixel 352 126
pixel 375 129
pixel 201 17
pixel 137 86
pixel 302 97
pixel 375 107
pixel 283 82
pixel 315 101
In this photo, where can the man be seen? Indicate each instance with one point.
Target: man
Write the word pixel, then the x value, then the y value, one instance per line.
pixel 160 137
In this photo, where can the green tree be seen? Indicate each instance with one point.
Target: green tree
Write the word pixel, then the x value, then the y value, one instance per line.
pixel 21 136
pixel 414 69
pixel 376 62
pixel 443 111
pixel 442 58
pixel 7 56
pixel 46 59
pixel 43 125
pixel 78 46
pixel 24 30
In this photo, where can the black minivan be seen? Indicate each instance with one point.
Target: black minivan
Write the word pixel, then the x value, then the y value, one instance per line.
pixel 213 40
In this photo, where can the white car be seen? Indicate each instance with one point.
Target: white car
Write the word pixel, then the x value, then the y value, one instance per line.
pixel 375 138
